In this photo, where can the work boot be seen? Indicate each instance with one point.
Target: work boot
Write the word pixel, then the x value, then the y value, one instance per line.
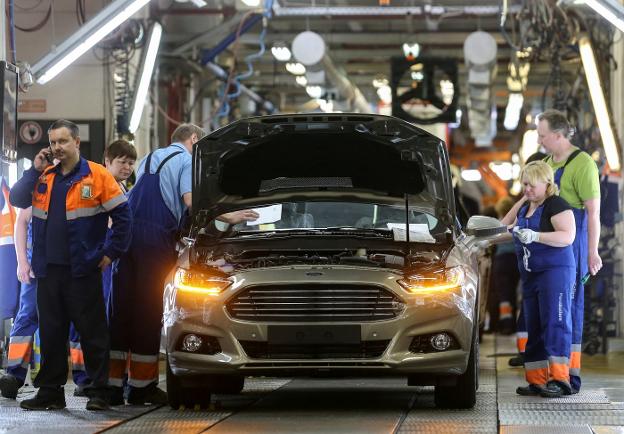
pixel 116 396
pixel 46 399
pixel 530 390
pixel 97 403
pixel 147 395
pixel 9 385
pixel 555 389
pixel 517 360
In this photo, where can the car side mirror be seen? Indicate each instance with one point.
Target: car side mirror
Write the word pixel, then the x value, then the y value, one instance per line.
pixel 481 226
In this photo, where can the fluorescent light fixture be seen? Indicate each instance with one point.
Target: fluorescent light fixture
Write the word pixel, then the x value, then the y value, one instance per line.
pixel 199 3
pixel 281 53
pixel 251 3
pixel 107 20
pixel 385 94
pixel 471 175
pixel 417 75
pixel 503 170
pixel 411 50
pixel 301 80
pixel 512 112
pixel 145 75
pixel 295 68
pixel 600 105
pixel 529 144
pixel 610 15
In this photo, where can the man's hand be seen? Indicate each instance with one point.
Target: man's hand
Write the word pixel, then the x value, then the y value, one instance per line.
pixel 105 262
pixel 24 272
pixel 235 217
pixel 41 162
pixel 594 262
pixel 527 236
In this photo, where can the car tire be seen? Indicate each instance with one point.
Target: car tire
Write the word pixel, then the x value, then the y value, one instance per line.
pixel 464 394
pixel 189 397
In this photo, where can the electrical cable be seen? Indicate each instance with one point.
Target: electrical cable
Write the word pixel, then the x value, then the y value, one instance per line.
pixel 12 30
pixel 39 25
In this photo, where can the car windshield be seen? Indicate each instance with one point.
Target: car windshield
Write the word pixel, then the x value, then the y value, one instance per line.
pixel 339 215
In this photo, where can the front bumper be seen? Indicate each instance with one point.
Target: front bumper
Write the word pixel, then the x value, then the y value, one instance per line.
pixel 451 312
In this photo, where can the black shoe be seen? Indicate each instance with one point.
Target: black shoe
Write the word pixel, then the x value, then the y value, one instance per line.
pixel 147 395
pixel 517 360
pixel 79 391
pixel 97 404
pixel 530 390
pixel 9 385
pixel 555 389
pixel 116 396
pixel 45 401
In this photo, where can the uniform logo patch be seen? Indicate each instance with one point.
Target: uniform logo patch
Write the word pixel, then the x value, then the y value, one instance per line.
pixel 85 192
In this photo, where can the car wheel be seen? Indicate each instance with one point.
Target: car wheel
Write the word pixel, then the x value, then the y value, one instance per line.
pixel 179 395
pixel 464 393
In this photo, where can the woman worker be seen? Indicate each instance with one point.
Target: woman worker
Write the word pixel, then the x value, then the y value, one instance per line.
pixel 544 229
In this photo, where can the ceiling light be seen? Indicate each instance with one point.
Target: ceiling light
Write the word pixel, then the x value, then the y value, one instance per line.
pixel 199 3
pixel 252 3
pixel 601 110
pixel 103 23
pixel 471 175
pixel 380 81
pixel 417 75
pixel 145 75
pixel 314 91
pixel 411 50
pixel 295 68
pixel 325 105
pixel 301 80
pixel 503 170
pixel 602 8
pixel 512 111
pixel 529 145
pixel 281 52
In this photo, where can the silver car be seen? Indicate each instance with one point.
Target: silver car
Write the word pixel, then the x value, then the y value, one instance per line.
pixel 357 263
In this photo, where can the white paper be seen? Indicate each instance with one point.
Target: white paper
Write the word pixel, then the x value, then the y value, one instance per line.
pixel 267 214
pixel 418 232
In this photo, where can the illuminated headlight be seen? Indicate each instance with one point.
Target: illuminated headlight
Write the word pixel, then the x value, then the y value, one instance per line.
pixel 191 343
pixel 441 341
pixel 440 280
pixel 200 283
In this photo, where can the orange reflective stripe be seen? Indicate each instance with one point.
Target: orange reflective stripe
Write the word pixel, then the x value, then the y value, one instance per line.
pixel 559 372
pixel 521 344
pixel 537 376
pixel 77 357
pixel 143 371
pixel 117 369
pixel 20 351
pixel 575 360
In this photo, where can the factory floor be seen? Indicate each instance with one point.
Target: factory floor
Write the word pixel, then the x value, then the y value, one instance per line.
pixel 359 405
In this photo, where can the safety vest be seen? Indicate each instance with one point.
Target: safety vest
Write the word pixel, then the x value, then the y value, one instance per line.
pixel 93 193
pixel 9 285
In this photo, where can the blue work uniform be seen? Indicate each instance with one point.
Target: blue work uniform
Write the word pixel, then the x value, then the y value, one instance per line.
pixel 139 280
pixel 581 251
pixel 547 275
pixel 20 353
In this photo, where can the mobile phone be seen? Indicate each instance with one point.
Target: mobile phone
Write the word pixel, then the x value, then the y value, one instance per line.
pixel 49 157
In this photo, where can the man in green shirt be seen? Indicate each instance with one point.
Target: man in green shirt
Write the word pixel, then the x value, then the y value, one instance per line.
pixel 576 174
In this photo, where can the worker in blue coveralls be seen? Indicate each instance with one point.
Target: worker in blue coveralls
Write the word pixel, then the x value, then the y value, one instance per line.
pixel 26 322
pixel 71 205
pixel 544 230
pixel 576 175
pixel 158 200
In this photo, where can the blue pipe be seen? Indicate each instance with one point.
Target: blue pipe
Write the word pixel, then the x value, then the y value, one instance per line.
pixel 208 55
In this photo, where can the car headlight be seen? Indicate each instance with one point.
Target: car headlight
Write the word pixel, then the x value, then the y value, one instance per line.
pixel 198 282
pixel 440 280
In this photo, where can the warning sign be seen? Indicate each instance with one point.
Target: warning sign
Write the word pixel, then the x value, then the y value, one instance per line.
pixel 31 132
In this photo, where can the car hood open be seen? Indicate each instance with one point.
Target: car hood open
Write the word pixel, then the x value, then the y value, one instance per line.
pixel 339 157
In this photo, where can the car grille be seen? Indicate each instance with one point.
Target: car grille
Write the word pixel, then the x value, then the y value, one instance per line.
pixel 310 303
pixel 363 350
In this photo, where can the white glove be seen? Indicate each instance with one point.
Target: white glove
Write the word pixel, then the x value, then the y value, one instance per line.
pixel 527 236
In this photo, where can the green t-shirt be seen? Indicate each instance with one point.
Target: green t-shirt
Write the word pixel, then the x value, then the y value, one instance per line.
pixel 580 180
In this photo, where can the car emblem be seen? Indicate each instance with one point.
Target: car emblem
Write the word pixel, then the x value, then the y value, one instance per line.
pixel 314 273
